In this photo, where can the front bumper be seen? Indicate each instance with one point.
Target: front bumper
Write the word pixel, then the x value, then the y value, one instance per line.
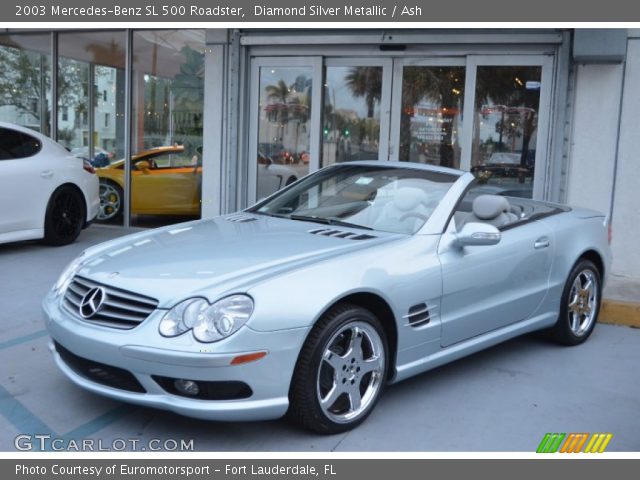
pixel 145 354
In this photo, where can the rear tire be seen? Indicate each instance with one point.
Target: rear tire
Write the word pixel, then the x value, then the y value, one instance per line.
pixel 340 372
pixel 65 216
pixel 579 306
pixel 111 201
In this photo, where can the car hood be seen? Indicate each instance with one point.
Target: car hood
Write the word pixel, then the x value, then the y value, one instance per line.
pixel 214 257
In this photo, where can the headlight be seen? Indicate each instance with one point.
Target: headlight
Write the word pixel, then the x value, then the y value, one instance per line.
pixel 67 274
pixel 209 323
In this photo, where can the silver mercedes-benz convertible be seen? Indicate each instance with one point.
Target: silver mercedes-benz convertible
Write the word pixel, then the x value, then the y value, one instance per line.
pixel 310 302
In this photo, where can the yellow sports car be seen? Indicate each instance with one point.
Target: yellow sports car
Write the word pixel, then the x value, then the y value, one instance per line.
pixel 163 182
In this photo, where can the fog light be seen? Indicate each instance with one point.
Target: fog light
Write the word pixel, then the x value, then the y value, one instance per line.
pixel 187 387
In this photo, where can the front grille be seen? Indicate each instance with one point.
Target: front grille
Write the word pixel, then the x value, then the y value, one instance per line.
pixel 120 308
pixel 99 372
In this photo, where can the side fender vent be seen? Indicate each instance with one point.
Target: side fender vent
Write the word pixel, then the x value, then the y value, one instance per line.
pixel 418 315
pixel 240 218
pixel 332 232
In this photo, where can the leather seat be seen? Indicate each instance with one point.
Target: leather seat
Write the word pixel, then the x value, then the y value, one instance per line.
pixel 407 211
pixel 492 209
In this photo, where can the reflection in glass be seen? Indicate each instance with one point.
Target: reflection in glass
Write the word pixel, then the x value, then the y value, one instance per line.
pixel 351 114
pixel 505 128
pixel 431 120
pixel 168 101
pixel 91 109
pixel 284 136
pixel 73 105
pixel 25 81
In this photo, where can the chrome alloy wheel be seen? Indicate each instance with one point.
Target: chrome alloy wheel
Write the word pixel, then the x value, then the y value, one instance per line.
pixel 110 201
pixel 583 302
pixel 351 372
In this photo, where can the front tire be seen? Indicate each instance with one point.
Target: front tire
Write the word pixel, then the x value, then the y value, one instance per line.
pixel 340 372
pixel 580 305
pixel 290 180
pixel 65 216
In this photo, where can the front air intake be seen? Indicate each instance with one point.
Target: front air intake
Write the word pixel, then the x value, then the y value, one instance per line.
pixel 331 232
pixel 240 218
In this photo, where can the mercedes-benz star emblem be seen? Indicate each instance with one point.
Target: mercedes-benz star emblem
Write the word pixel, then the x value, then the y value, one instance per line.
pixel 91 302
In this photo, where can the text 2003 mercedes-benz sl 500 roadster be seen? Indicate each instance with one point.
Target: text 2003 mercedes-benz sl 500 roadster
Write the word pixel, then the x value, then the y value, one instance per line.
pixel 357 276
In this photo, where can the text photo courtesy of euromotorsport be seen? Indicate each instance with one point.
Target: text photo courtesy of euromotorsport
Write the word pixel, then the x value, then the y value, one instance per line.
pixel 220 11
pixel 254 468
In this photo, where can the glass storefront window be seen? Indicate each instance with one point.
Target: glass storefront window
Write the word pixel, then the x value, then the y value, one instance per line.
pixel 25 80
pixel 351 114
pixel 505 128
pixel 91 82
pixel 431 115
pixel 73 104
pixel 168 102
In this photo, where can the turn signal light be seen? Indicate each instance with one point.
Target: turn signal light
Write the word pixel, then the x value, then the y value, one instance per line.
pixel 248 357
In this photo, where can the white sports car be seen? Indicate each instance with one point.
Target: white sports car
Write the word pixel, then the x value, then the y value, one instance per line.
pixel 45 192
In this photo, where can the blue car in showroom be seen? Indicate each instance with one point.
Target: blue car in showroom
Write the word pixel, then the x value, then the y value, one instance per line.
pixel 313 300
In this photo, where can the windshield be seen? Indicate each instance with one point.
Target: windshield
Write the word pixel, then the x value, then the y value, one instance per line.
pixel 391 199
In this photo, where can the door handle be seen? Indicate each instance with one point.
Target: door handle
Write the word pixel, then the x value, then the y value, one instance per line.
pixel 542 242
pixel 46 173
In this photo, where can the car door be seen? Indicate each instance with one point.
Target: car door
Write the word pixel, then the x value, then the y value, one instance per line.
pixel 165 188
pixel 26 180
pixel 489 287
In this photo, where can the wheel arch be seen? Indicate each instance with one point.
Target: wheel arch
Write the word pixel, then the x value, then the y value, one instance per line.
pixel 58 188
pixel 383 311
pixel 597 259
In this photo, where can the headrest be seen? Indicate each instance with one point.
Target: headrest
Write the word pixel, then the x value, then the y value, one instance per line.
pixel 488 207
pixel 408 198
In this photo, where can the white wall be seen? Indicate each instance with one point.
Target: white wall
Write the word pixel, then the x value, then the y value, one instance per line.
pixel 595 126
pixel 626 204
pixel 593 152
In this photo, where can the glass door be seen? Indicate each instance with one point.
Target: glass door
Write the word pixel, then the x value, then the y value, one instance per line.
pixel 284 122
pixel 486 114
pixel 428 97
pixel 508 106
pixel 355 110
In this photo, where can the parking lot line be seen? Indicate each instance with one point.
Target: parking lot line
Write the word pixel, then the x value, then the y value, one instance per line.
pixel 20 416
pixel 24 338
pixel 92 426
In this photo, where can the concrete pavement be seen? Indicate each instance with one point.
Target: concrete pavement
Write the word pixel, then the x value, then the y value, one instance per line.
pixel 503 399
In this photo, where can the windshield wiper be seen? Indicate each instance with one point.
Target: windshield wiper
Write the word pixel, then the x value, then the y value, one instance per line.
pixel 327 221
pixel 268 214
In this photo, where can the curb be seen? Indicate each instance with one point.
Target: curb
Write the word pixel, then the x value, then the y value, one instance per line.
pixel 617 312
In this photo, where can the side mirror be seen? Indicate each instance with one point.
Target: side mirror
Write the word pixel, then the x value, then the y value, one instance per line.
pixel 264 160
pixel 143 166
pixel 476 233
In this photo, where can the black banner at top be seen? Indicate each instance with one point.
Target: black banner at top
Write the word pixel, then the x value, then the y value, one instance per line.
pixel 346 11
